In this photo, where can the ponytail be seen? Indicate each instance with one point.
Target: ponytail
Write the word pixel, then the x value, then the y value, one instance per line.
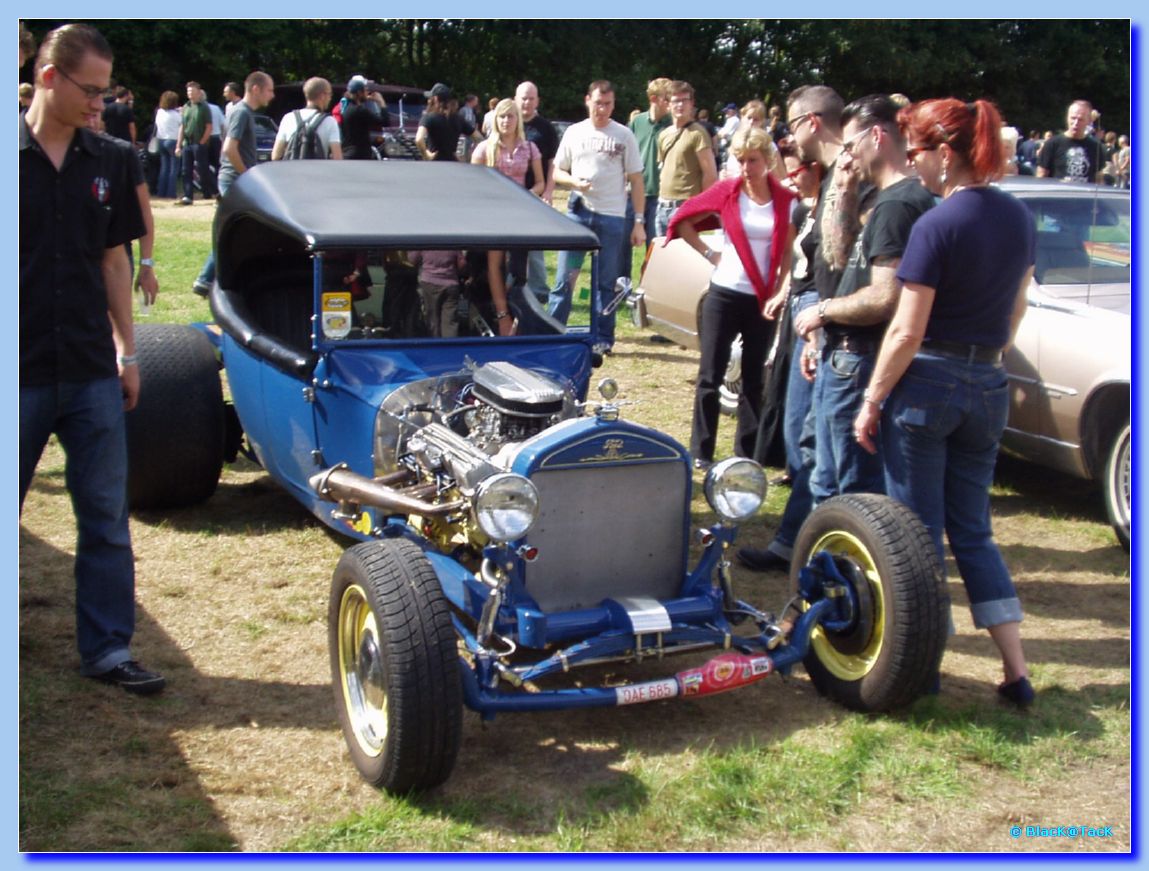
pixel 971 130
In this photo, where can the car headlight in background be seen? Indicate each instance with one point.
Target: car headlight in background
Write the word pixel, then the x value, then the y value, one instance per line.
pixel 735 488
pixel 506 506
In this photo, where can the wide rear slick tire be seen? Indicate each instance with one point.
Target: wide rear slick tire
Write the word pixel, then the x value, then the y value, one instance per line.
pixel 176 432
pixel 394 666
pixel 891 652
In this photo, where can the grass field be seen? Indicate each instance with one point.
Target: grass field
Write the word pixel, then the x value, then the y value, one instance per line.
pixel 243 752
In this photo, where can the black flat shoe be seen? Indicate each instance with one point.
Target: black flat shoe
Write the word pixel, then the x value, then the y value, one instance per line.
pixel 1019 693
pixel 762 560
pixel 134 678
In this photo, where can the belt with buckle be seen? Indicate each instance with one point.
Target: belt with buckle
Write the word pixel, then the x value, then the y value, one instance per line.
pixel 674 204
pixel 962 351
pixel 851 344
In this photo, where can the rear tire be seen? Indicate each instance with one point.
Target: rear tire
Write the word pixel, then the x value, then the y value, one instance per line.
pixel 177 430
pixel 394 666
pixel 1117 484
pixel 889 655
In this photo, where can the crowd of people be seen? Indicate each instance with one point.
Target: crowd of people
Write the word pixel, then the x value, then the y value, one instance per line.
pixel 866 235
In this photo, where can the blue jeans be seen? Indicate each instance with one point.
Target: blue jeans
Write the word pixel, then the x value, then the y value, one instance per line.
pixel 169 169
pixel 799 391
pixel 605 269
pixel 537 275
pixel 842 465
pixel 207 273
pixel 941 427
pixel 88 418
pixel 192 160
pixel 664 211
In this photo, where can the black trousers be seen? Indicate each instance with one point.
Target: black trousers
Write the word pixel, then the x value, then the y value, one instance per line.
pixel 725 314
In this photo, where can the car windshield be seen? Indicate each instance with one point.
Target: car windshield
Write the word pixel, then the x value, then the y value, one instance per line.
pixel 1082 240
pixel 398 294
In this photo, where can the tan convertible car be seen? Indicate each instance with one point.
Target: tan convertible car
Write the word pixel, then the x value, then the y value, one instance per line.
pixel 1070 368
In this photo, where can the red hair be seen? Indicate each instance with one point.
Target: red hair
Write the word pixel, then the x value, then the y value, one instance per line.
pixel 971 130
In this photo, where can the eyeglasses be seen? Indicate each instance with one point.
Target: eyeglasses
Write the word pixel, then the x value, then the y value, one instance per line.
pixel 91 92
pixel 795 123
pixel 914 150
pixel 802 167
pixel 854 141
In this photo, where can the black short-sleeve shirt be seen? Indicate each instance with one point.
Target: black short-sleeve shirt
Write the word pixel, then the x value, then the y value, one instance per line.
pixel 885 235
pixel 542 133
pixel 68 219
pixel 1074 159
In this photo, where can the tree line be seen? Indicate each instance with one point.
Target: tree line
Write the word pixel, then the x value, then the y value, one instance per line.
pixel 1032 69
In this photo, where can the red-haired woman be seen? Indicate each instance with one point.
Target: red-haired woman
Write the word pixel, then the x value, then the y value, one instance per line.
pixel 938 386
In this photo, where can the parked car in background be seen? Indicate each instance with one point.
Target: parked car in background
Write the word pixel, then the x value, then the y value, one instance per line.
pixel 1069 370
pixel 265 130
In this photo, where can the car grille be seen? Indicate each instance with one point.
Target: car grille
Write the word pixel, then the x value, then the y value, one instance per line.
pixel 607 531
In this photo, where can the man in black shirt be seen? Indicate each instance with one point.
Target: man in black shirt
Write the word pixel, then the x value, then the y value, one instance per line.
pixel 1073 155
pixel 542 133
pixel 78 208
pixel 854 315
pixel 365 114
pixel 119 119
pixel 441 125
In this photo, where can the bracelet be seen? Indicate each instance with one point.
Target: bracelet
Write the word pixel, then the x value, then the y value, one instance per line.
pixel 709 254
pixel 866 397
pixel 502 315
pixel 129 359
pixel 147 261
pixel 640 219
pixel 822 311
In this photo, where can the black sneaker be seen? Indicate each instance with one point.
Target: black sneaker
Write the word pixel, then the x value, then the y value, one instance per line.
pixel 134 678
pixel 201 288
pixel 762 560
pixel 1020 692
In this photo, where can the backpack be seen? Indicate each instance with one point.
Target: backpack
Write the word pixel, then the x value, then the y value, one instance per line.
pixel 305 143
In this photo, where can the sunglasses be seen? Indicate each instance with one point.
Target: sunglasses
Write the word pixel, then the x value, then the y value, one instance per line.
pixel 849 146
pixel 794 123
pixel 915 150
pixel 91 92
pixel 802 167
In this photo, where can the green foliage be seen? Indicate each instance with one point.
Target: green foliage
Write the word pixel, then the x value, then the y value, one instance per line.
pixel 1032 68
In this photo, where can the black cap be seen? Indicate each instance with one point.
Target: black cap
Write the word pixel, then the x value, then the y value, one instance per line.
pixel 440 90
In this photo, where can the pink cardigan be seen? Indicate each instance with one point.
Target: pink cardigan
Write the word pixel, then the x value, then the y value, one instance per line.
pixel 721 201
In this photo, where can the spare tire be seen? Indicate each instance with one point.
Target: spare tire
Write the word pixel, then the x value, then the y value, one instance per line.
pixel 176 432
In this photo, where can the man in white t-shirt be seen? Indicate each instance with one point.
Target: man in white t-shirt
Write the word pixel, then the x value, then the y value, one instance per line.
pixel 596 159
pixel 317 92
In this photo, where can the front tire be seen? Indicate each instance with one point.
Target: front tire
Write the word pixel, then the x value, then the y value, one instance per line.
pixel 1117 484
pixel 890 653
pixel 394 666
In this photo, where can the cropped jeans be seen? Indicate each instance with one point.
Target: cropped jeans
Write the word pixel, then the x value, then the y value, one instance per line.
pixel 88 418
pixel 941 428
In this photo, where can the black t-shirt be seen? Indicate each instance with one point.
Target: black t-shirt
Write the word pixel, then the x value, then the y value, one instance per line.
pixel 443 132
pixel 826 278
pixel 117 118
pixel 359 121
pixel 68 219
pixel 802 272
pixel 1075 159
pixel 885 235
pixel 542 133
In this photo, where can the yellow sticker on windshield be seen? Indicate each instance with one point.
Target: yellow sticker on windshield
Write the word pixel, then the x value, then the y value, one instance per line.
pixel 336 313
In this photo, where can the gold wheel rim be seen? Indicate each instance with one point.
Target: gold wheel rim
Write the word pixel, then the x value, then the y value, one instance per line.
pixel 361 671
pixel 852 666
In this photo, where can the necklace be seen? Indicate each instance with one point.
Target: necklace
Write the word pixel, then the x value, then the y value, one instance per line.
pixel 964 187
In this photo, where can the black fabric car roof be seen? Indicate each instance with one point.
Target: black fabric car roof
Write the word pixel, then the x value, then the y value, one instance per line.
pixel 300 206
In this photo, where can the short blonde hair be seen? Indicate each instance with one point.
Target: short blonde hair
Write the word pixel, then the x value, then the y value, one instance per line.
pixel 748 139
pixel 755 110
pixel 659 87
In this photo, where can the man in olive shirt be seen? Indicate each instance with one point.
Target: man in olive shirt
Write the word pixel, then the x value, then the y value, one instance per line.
pixel 193 141
pixel 685 155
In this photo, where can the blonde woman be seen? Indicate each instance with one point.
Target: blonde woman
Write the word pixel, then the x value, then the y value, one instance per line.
pixel 507 150
pixel 754 116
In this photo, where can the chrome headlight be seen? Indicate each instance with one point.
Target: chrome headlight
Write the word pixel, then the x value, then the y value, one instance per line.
pixel 736 489
pixel 506 506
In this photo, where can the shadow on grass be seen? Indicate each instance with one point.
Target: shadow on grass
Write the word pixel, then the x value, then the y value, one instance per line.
pixel 100 769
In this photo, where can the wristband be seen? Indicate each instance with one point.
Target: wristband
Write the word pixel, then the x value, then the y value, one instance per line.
pixel 502 315
pixel 147 261
pixel 129 360
pixel 640 219
pixel 822 311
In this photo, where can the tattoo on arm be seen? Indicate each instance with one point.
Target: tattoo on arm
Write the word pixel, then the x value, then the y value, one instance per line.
pixel 874 303
pixel 840 225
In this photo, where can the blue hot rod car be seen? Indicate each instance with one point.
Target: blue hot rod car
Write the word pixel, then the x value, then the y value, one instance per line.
pixel 511 531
